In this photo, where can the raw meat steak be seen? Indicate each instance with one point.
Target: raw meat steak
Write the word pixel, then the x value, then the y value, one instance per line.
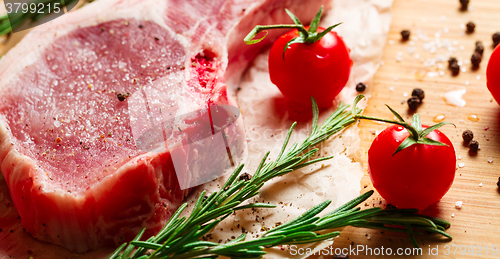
pixel 75 91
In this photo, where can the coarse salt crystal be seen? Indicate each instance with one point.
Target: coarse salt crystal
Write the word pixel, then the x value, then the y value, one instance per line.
pixel 399 58
pixel 490 160
pixel 480 184
pixel 466 82
pixel 462 26
pixel 405 94
pixel 459 157
pixel 368 236
pixel 462 47
pixel 459 204
pixel 461 165
pixel 478 77
pixel 430 62
pixel 391 88
pixel 417 56
pixel 432 74
pixel 441 73
pixel 463 69
pixel 440 117
pixel 446 30
pixel 453 215
pixel 391 42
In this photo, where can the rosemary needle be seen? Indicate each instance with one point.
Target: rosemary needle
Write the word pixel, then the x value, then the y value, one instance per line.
pixel 180 237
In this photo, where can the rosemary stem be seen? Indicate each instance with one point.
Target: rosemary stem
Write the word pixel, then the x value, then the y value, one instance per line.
pixel 181 237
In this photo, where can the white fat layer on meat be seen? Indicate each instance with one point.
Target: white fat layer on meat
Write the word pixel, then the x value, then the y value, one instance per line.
pixel 364 28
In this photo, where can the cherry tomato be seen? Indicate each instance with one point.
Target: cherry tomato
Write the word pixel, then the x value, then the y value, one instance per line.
pixel 493 74
pixel 415 177
pixel 320 69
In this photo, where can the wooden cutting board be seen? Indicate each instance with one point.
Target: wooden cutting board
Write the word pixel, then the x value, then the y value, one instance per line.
pixel 475 225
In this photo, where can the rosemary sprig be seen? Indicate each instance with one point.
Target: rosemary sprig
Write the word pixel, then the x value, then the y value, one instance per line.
pixel 180 237
pixel 18 18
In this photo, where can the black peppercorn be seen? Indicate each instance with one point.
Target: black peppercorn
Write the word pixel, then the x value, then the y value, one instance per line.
pixel 498 183
pixel 360 87
pixel 464 5
pixel 470 27
pixel 419 93
pixel 467 135
pixel 452 61
pixel 245 177
pixel 455 69
pixel 476 59
pixel 496 38
pixel 479 47
pixel 405 35
pixel 413 103
pixel 121 97
pixel 473 146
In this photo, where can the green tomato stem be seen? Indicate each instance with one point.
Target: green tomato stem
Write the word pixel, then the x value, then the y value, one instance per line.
pixel 412 130
pixel 417 134
pixel 249 38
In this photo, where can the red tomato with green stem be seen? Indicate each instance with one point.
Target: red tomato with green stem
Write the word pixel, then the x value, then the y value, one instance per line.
pixel 493 74
pixel 415 177
pixel 411 166
pixel 308 62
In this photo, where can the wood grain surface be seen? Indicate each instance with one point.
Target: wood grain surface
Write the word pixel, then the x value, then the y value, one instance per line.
pixel 476 223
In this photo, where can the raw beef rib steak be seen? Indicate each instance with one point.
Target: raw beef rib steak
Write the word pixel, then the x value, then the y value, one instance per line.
pixel 73 91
